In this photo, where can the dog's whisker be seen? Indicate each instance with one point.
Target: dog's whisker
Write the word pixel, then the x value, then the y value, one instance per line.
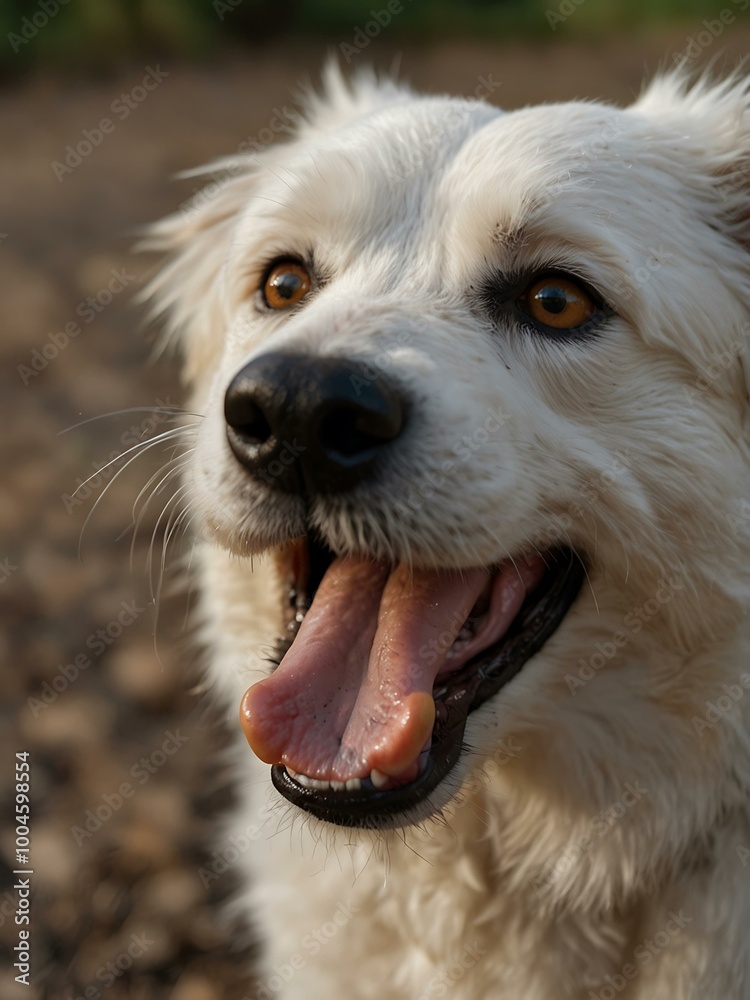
pixel 140 449
pixel 156 590
pixel 175 529
pixel 142 446
pixel 177 463
pixel 171 466
pixel 176 518
pixel 173 498
pixel 173 413
pixel 174 467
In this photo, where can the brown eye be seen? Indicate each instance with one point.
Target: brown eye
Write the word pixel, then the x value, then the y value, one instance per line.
pixel 287 283
pixel 558 302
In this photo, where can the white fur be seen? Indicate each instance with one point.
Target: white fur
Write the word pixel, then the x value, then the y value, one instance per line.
pixel 408 203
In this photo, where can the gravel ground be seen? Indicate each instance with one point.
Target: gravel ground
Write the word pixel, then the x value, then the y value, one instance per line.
pixel 97 688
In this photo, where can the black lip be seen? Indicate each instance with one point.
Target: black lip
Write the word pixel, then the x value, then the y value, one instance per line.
pixel 460 694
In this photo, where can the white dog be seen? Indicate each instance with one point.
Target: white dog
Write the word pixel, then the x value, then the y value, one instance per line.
pixel 474 389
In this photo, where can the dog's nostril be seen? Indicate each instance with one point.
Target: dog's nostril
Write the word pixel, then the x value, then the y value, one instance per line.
pixel 244 415
pixel 350 430
pixel 253 426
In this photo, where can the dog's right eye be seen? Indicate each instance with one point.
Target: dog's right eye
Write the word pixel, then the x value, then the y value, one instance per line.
pixel 286 284
pixel 558 303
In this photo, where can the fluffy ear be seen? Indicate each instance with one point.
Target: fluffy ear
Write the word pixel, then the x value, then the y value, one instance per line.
pixel 342 100
pixel 714 119
pixel 710 121
pixel 189 293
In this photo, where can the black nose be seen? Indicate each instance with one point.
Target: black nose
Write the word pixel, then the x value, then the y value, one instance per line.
pixel 309 424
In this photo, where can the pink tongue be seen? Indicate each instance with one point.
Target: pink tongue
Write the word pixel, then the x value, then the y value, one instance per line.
pixel 354 692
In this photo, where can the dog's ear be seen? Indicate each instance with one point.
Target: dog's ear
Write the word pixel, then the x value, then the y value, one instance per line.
pixel 712 118
pixel 711 124
pixel 342 99
pixel 189 292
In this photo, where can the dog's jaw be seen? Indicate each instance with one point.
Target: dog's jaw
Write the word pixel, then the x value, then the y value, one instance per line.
pixel 371 701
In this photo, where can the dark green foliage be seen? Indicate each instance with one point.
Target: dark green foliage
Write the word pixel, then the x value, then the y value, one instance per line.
pixel 95 35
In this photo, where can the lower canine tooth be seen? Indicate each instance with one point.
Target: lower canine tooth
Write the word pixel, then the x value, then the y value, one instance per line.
pixel 379 779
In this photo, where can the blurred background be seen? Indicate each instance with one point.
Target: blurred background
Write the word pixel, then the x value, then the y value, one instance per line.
pixel 100 679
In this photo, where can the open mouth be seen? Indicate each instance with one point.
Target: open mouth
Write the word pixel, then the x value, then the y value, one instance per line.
pixel 382 665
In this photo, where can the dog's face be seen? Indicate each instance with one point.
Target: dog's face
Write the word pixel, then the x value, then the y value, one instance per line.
pixel 452 361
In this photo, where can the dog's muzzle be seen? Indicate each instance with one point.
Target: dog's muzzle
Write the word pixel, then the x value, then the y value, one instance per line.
pixel 383 661
pixel 311 425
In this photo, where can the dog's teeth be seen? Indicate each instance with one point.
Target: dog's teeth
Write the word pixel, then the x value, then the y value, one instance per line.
pixel 379 779
pixel 315 783
pixel 321 785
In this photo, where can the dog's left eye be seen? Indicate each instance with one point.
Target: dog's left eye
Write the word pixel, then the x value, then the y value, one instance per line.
pixel 558 302
pixel 286 284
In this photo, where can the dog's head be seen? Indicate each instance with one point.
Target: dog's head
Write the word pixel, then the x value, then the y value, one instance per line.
pixel 478 382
